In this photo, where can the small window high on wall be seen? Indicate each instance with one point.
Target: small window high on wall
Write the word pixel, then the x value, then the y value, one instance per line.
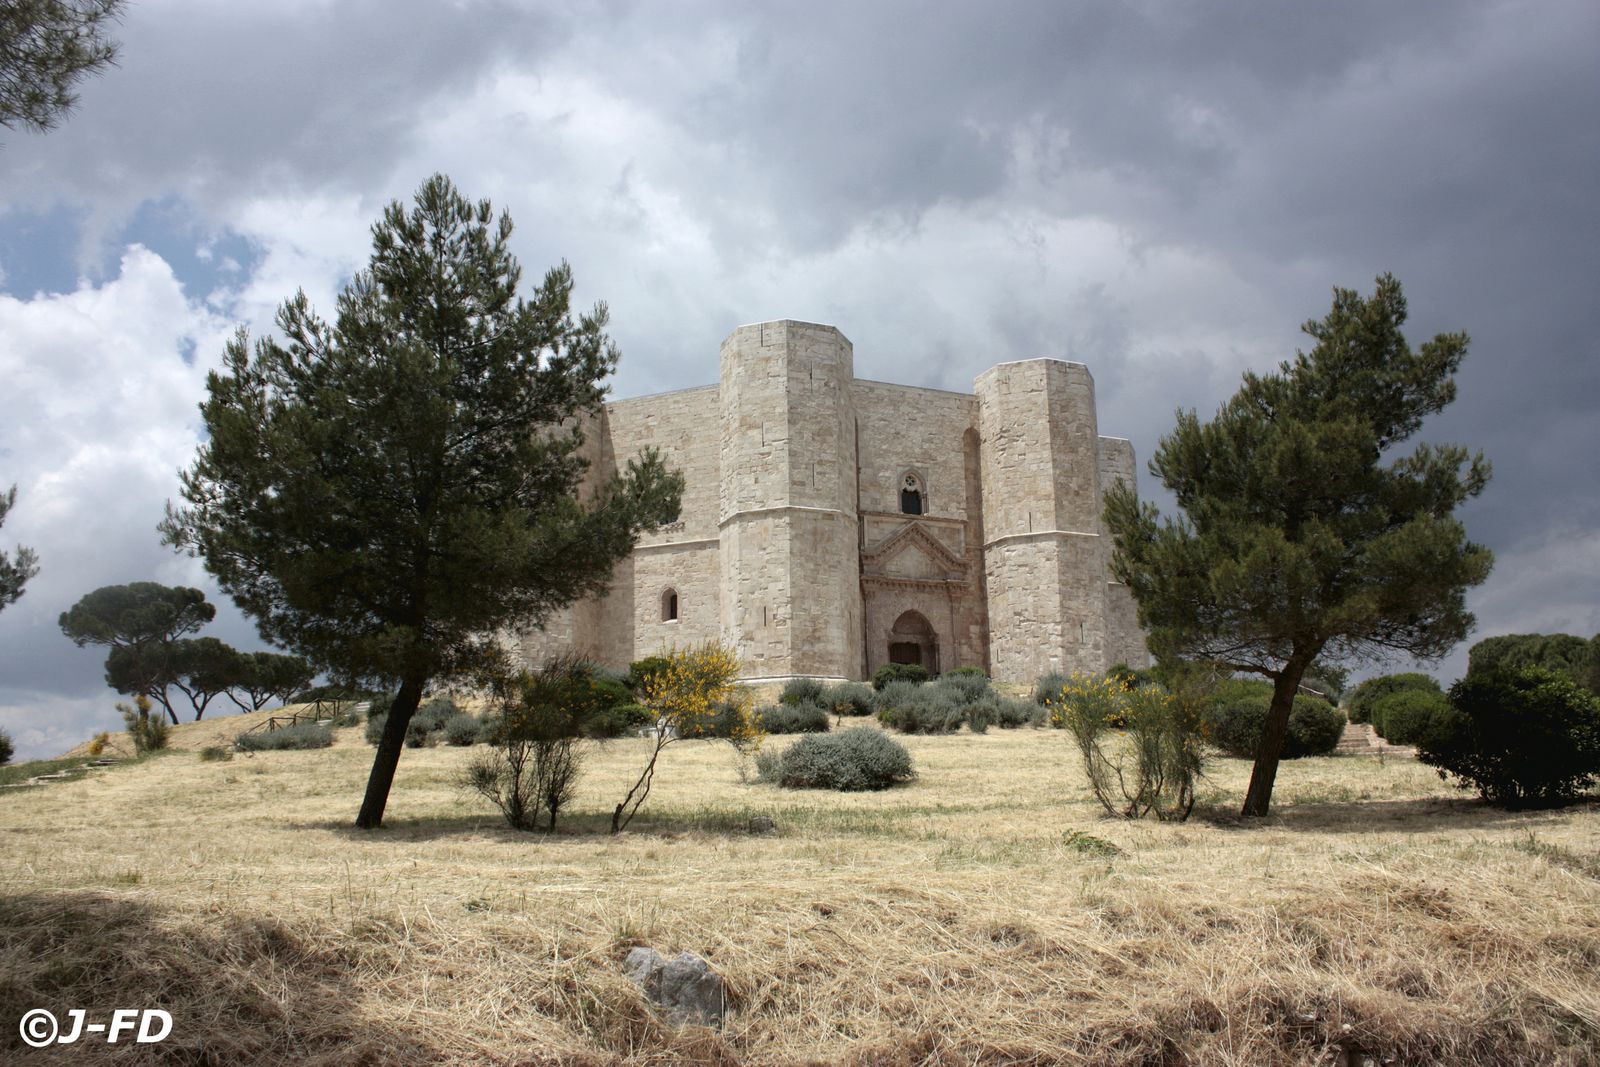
pixel 911 495
pixel 669 606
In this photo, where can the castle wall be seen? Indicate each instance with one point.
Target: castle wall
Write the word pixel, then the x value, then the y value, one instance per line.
pixel 1124 638
pixel 791 546
pixel 789 553
pixel 1044 557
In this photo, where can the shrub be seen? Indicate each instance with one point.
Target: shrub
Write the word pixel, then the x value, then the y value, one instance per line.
pixel 1152 767
pixel 215 754
pixel 793 719
pixel 1009 714
pixel 852 760
pixel 379 705
pixel 1522 738
pixel 418 734
pixel 898 672
pixel 965 672
pixel 970 688
pixel 7 749
pixel 147 732
pixel 1403 717
pixel 375 727
pixel 616 721
pixel 641 671
pixel 534 764
pixel 921 709
pixel 726 720
pixel 461 730
pixel 1366 695
pixel 801 691
pixel 1235 724
pixel 848 698
pixel 1048 688
pixel 300 736
pixel 97 744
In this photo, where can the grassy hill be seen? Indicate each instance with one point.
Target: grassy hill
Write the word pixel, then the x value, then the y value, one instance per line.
pixel 985 913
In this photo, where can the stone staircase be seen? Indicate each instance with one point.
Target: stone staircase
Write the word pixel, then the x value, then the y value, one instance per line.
pixel 1360 739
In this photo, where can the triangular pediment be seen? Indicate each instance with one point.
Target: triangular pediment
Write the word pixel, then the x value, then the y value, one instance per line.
pixel 912 552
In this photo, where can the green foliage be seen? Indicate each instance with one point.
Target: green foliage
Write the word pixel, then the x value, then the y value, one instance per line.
pixel 802 691
pixel 375 727
pixel 725 722
pixel 793 719
pixel 7 749
pixel 965 672
pixel 970 685
pixel 640 671
pixel 140 623
pixel 20 565
pixel 461 730
pixel 617 721
pixel 270 676
pixel 848 698
pixel 851 760
pixel 1365 696
pixel 385 492
pixel 1406 716
pixel 215 754
pixel 898 672
pixel 300 736
pixel 914 708
pixel 1141 748
pixel 46 46
pixel 1575 657
pixel 1522 738
pixel 1048 688
pixel 1234 722
pixel 534 762
pixel 147 732
pixel 1304 538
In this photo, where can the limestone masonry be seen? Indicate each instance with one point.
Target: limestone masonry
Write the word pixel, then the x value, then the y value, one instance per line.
pixel 831 525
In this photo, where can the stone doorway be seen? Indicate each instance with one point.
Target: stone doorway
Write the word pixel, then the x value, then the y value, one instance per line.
pixel 912 640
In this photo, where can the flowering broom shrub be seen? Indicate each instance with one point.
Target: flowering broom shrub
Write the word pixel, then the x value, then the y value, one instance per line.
pixel 1141 747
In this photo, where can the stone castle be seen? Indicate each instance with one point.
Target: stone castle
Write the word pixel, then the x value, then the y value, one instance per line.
pixel 831 525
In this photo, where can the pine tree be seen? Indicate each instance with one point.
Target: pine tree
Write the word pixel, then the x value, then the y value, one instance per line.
pixel 1303 537
pixel 20 565
pixel 387 493
pixel 45 47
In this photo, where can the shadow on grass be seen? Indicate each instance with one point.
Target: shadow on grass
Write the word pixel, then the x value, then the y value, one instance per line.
pixel 240 989
pixel 1376 816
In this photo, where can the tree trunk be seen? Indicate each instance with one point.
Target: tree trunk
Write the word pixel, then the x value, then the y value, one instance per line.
pixel 388 756
pixel 1258 799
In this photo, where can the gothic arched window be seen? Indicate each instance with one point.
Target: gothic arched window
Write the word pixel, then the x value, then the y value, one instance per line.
pixel 911 495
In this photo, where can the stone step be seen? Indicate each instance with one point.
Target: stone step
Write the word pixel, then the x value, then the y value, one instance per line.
pixel 1360 739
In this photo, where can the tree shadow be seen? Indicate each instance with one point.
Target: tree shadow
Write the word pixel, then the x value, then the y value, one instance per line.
pixel 1381 816
pixel 239 988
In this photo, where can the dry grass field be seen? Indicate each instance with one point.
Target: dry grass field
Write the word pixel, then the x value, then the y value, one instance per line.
pixel 986 913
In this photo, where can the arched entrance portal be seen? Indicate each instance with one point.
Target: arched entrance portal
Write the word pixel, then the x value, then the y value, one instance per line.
pixel 912 640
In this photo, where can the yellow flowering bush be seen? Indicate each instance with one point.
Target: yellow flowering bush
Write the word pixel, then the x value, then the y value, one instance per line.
pixel 1141 746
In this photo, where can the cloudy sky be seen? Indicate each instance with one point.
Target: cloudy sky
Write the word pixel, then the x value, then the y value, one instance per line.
pixel 1163 191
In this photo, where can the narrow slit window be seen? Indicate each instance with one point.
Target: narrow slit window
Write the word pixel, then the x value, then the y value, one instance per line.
pixel 669 606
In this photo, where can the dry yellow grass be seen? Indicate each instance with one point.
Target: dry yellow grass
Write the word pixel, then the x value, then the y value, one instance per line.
pixel 986 913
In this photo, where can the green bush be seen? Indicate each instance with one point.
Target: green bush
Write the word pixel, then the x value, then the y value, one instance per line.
pixel 641 670
pixel 1048 688
pixel 898 672
pixel 1366 695
pixel 375 727
pixel 7 749
pixel 617 721
pixel 301 736
pixel 1522 738
pixel 852 760
pixel 970 688
pixel 1235 724
pixel 802 691
pixel 921 709
pixel 1009 713
pixel 793 719
pixel 1404 717
pixel 848 698
pixel 378 704
pixel 965 672
pixel 461 730
pixel 215 754
pixel 725 724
